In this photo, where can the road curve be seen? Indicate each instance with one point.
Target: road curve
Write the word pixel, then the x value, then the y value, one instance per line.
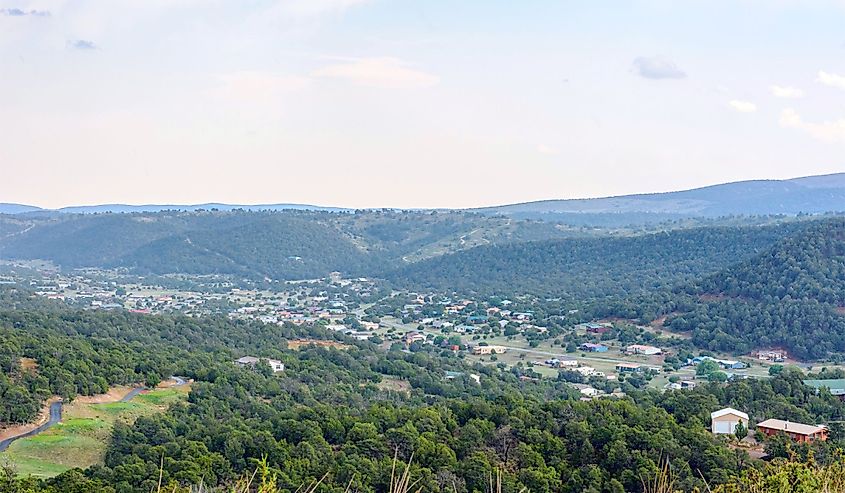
pixel 55 417
pixel 56 414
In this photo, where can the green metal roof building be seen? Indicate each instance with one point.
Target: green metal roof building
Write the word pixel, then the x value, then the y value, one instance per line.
pixel 836 386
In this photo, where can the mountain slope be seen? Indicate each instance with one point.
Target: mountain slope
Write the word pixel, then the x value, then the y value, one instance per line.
pixel 810 265
pixel 815 194
pixel 255 245
pixel 590 268
pixel 790 296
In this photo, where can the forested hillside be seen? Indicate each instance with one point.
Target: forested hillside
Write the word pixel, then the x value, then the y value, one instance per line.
pixel 593 268
pixel 255 245
pixel 789 296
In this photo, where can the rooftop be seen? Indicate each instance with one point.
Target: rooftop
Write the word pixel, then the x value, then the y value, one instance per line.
pixel 836 386
pixel 799 428
pixel 727 411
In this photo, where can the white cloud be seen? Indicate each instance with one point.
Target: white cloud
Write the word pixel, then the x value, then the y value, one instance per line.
pixel 786 92
pixel 256 86
pixel 657 68
pixel 383 73
pixel 743 106
pixel 828 131
pixel 832 80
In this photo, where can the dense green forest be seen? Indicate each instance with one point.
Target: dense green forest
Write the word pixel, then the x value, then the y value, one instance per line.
pixel 789 296
pixel 278 245
pixel 593 268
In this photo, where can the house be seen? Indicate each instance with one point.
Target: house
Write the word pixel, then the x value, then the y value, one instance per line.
pixel 727 364
pixel 587 371
pixel 641 349
pixel 413 336
pixel 483 350
pixel 565 363
pixel 834 386
pixel 251 361
pixel 776 356
pixel 593 348
pixel 628 368
pixel 593 328
pixel 688 384
pixel 586 390
pixel 724 421
pixel 796 431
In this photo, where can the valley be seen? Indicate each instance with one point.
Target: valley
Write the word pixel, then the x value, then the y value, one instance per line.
pixel 436 312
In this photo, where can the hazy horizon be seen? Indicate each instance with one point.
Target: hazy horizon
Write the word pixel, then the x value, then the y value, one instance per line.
pixel 341 206
pixel 379 103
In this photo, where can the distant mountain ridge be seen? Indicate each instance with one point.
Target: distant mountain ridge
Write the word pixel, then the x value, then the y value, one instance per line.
pixel 812 195
pixel 7 208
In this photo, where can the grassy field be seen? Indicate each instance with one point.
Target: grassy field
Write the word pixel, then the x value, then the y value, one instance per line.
pixel 80 439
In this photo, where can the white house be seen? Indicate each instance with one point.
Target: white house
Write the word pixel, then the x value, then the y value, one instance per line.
pixel 725 421
pixel 275 364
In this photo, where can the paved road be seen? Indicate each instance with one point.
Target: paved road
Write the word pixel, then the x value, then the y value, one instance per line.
pixel 132 393
pixel 55 417
pixel 56 414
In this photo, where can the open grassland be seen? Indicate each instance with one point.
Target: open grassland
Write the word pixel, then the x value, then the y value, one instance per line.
pixel 80 439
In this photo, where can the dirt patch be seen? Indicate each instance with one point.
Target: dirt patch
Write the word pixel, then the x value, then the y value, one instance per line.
pixel 712 297
pixel 840 310
pixel 299 343
pixel 43 417
pixel 113 395
pixel 29 365
pixel 394 384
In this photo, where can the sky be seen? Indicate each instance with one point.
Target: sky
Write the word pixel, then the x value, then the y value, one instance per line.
pixel 399 103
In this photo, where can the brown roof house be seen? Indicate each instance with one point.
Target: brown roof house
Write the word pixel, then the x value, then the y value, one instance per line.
pixel 796 431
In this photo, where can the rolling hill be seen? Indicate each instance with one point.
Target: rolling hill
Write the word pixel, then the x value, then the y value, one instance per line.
pixel 788 296
pixel 591 268
pixel 811 195
pixel 256 245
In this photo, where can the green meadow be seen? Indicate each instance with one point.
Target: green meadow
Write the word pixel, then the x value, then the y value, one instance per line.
pixel 80 439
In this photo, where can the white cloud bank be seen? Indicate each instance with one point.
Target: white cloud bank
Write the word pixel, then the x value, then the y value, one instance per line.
pixel 832 80
pixel 381 72
pixel 786 92
pixel 743 106
pixel 828 131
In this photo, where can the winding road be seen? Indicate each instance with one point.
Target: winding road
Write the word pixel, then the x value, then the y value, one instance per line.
pixel 55 417
pixel 56 414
